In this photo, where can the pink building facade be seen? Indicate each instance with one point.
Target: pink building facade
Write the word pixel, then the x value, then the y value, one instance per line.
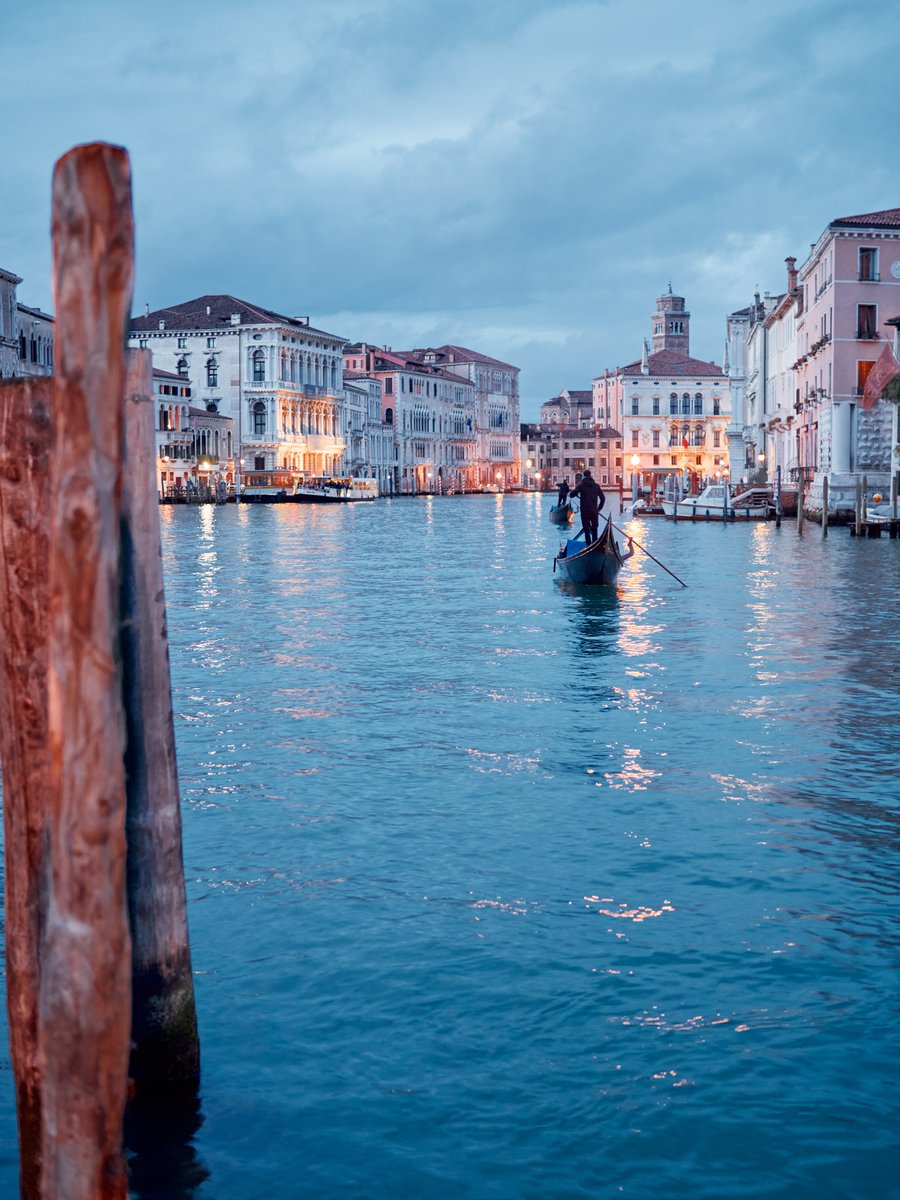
pixel 847 289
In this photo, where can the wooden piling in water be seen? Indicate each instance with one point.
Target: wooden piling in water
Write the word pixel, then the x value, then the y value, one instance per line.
pixel 165 1047
pixel 25 445
pixel 86 729
pixel 825 507
pixel 85 997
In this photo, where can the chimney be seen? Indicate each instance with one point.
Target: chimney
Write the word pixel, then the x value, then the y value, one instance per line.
pixel 208 310
pixel 792 274
pixel 235 318
pixel 146 310
pixel 162 324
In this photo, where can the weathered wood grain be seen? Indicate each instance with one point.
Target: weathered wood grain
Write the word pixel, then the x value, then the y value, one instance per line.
pixel 165 1051
pixel 25 444
pixel 85 990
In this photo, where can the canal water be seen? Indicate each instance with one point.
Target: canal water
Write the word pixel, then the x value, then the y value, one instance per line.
pixel 502 890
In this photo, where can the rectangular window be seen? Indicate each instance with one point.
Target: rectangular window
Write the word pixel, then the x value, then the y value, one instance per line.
pixel 182 343
pixel 211 341
pixel 634 438
pixel 868 264
pixel 389 386
pixel 656 460
pixel 716 438
pixel 656 406
pixel 866 319
pixel 673 461
pixel 862 374
pixel 634 407
pixel 655 437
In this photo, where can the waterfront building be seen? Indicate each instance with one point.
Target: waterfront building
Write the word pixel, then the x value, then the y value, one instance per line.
pixel 799 362
pixel 194 447
pixel 566 440
pixel 26 334
pixel 368 439
pixel 431 412
pixel 35 341
pixel 496 422
pixel 277 377
pixel 9 346
pixel 847 289
pixel 672 409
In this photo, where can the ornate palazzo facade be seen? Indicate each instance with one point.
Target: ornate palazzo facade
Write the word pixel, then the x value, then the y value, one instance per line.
pixel 277 377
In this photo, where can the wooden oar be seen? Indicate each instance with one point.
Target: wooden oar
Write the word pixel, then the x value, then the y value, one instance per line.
pixel 647 552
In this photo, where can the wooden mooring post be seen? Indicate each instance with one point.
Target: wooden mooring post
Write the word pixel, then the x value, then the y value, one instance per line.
pixel 94 875
pixel 825 507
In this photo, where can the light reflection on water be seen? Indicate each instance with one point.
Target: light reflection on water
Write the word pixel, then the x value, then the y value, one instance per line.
pixel 500 889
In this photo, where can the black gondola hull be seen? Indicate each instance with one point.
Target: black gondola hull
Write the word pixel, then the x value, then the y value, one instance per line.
pixel 598 563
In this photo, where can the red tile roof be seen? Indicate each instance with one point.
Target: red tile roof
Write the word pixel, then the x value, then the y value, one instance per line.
pixel 459 354
pixel 192 314
pixel 670 362
pixel 885 218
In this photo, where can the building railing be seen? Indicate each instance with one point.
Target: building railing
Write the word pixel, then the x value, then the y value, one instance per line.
pixel 868 276
pixel 867 335
pixel 292 385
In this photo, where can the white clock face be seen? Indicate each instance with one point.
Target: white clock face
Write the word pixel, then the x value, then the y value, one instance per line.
pixel 895 268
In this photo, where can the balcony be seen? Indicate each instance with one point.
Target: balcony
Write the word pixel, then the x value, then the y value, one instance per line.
pixel 867 335
pixel 289 385
pixel 865 276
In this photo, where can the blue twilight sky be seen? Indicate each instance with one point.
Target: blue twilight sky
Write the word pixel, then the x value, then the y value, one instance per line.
pixel 523 177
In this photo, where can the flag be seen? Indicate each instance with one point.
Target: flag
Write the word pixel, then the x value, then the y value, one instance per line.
pixel 885 369
pixel 684 441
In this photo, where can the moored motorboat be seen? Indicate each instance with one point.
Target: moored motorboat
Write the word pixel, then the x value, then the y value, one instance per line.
pixel 715 503
pixel 332 489
pixel 600 562
pixel 561 514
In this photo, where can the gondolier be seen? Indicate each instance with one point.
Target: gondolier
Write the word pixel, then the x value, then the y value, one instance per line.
pixel 592 500
pixel 563 493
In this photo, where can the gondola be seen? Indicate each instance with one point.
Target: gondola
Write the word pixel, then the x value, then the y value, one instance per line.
pixel 598 563
pixel 561 514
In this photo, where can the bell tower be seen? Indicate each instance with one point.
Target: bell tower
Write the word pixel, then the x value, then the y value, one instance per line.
pixel 671 324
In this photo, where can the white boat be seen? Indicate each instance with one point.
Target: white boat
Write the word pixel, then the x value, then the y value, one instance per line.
pixel 333 489
pixel 715 503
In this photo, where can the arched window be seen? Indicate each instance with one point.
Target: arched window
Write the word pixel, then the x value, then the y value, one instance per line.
pixel 698 404
pixel 673 403
pixel 259 417
pixel 183 368
pixel 389 416
pixel 284 366
pixel 212 373
pixel 685 404
pixel 259 366
pixel 716 406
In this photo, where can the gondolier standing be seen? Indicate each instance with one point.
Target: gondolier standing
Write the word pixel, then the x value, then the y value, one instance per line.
pixel 592 500
pixel 563 494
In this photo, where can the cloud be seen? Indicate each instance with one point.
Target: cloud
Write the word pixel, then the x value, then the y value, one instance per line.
pixel 524 176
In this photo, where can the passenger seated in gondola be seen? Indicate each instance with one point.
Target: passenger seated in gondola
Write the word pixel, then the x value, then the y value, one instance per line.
pixel 563 494
pixel 592 500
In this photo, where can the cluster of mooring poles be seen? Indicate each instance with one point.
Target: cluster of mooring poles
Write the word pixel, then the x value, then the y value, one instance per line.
pixel 100 990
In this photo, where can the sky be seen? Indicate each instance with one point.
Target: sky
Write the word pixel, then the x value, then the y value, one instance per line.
pixel 521 177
